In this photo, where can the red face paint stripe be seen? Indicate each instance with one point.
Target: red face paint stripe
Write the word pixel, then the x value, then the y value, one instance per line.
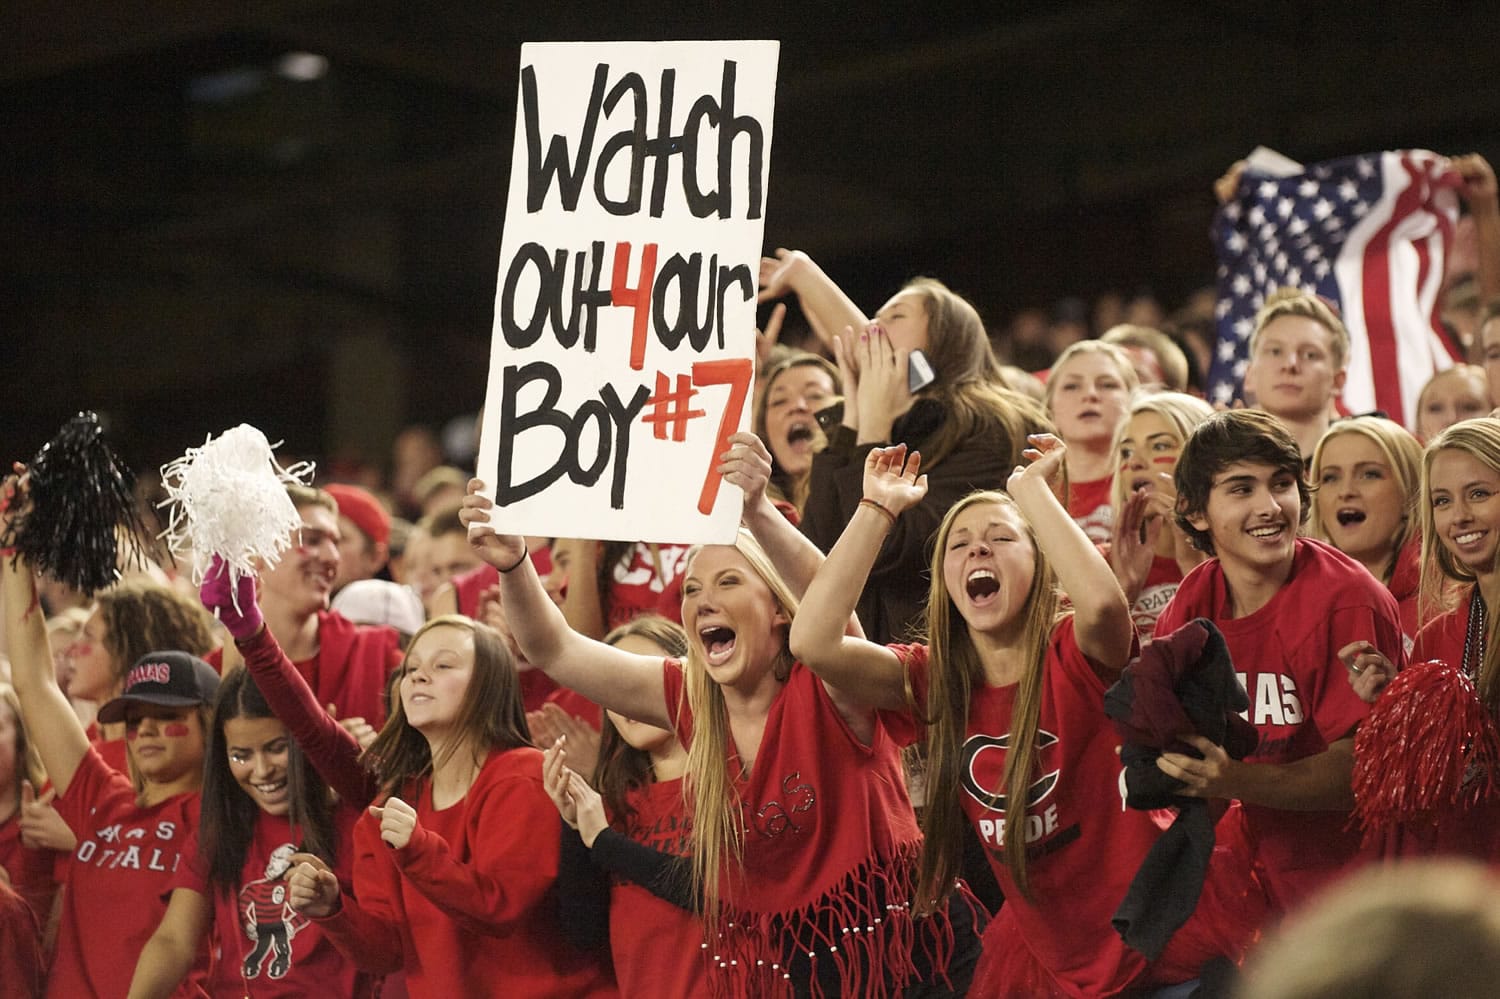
pixel 1165 459
pixel 174 730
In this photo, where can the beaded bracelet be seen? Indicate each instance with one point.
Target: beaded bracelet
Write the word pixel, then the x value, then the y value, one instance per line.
pixel 877 505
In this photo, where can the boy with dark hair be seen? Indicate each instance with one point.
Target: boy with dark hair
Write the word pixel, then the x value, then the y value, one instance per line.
pixel 1286 606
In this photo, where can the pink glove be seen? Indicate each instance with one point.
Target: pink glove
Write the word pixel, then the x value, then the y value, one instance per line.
pixel 220 598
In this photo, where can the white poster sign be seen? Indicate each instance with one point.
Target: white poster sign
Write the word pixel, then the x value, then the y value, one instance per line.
pixel 624 337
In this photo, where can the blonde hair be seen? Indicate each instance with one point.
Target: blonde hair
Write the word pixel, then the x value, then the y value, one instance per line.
pixel 1479 439
pixel 710 789
pixel 1401 452
pixel 1181 411
pixel 1296 302
pixel 956 670
pixel 1118 357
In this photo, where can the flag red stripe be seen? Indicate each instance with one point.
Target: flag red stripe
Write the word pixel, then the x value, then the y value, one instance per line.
pixel 1380 329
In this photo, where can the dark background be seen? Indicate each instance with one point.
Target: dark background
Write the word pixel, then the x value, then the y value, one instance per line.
pixel 194 238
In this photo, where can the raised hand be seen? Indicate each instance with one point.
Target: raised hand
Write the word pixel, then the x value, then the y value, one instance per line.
pixel 893 478
pixel 766 339
pixel 883 393
pixel 312 887
pixel 234 604
pixel 1133 542
pixel 398 821
pixel 503 551
pixel 1227 185
pixel 747 464
pixel 1480 188
pixel 42 826
pixel 1046 457
pixel 778 274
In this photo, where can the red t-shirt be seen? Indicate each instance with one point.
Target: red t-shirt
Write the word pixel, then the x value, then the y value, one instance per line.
pixel 29 870
pixel 117 884
pixel 466 907
pixel 261 946
pixel 657 947
pixel 1088 504
pixel 1159 589
pixel 1286 655
pixel 637 588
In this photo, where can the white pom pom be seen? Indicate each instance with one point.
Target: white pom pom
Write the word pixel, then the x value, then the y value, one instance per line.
pixel 228 498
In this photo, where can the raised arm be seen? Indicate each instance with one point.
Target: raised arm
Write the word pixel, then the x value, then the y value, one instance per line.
pixel 327 744
pixel 1481 192
pixel 853 668
pixel 618 680
pixel 51 725
pixel 827 308
pixel 747 464
pixel 1102 614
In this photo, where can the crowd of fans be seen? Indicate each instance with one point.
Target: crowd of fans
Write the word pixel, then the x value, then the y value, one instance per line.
pixel 1029 674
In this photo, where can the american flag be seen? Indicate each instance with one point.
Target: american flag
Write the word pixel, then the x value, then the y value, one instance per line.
pixel 1369 233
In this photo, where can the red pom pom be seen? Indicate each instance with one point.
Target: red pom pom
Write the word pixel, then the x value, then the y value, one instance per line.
pixel 1428 750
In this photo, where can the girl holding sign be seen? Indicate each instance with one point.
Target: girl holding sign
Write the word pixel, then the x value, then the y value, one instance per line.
pixel 1010 691
pixel 803 836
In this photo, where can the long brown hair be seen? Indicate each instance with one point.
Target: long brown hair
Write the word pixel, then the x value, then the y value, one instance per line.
pixel 956 671
pixel 710 789
pixel 491 716
pixel 970 382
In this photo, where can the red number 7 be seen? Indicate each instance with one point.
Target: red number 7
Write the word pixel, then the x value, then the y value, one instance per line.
pixel 737 373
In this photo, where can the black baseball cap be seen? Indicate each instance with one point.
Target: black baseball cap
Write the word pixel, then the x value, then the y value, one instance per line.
pixel 172 679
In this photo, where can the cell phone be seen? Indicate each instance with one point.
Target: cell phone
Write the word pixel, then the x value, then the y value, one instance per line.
pixel 919 373
pixel 830 415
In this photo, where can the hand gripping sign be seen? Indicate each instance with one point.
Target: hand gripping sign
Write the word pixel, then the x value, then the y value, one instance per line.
pixel 622 355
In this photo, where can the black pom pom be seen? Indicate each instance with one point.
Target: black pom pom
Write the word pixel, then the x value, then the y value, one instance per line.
pixel 81 500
